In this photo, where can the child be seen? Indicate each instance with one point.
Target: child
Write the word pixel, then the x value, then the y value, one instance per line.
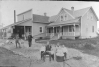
pixel 42 50
pixel 65 51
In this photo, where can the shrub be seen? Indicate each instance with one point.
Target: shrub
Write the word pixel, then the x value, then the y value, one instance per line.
pixel 89 46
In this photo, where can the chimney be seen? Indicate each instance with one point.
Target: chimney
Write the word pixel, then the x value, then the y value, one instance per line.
pixel 72 8
pixel 44 14
pixel 14 16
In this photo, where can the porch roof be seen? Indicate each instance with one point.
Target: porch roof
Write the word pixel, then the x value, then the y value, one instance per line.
pixel 13 24
pixel 74 21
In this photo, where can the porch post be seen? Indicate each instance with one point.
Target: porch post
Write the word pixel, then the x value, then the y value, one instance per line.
pixel 60 32
pixel 53 31
pixel 24 29
pixel 74 29
pixel 24 33
pixel 46 31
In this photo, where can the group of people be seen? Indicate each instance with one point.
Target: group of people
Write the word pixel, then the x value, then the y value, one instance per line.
pixel 53 51
pixel 17 42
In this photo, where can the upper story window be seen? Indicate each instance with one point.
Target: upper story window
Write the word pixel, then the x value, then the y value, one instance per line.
pixel 86 29
pixel 23 17
pixel 63 17
pixel 41 29
pixel 92 28
pixel 89 16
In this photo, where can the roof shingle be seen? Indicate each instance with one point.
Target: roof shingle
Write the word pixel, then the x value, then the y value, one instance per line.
pixel 40 18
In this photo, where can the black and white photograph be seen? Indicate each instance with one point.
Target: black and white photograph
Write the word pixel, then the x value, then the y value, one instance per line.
pixel 49 33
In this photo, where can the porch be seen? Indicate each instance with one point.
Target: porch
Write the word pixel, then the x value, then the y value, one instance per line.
pixel 72 30
pixel 22 31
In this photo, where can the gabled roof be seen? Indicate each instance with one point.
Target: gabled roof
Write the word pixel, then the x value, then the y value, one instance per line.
pixel 78 13
pixel 54 18
pixel 40 18
pixel 69 11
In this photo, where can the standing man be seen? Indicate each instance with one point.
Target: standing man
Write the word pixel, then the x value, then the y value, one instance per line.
pixel 30 39
pixel 17 41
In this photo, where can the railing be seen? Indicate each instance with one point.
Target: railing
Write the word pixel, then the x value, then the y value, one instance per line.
pixel 64 34
pixel 68 33
pixel 71 33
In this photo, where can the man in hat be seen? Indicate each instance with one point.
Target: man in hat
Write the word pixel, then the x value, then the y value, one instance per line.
pixel 48 51
pixel 30 39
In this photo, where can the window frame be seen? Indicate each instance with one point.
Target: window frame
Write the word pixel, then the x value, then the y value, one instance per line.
pixel 65 18
pixel 41 29
pixel 93 29
pixel 23 17
pixel 61 17
pixel 91 17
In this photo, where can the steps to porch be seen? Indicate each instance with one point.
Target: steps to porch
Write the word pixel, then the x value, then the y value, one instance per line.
pixel 54 38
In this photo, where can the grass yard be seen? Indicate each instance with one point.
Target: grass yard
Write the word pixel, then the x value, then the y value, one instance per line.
pixel 77 44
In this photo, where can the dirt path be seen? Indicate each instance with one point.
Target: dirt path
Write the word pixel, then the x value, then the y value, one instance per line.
pixel 30 57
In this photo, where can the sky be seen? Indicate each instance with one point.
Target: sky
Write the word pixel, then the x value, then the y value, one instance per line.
pixel 40 7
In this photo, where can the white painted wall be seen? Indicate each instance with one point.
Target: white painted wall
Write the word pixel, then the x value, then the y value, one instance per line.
pixel 86 26
pixel 36 28
pixel 25 15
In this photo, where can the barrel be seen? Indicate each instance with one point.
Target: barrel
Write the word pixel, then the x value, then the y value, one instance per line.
pixel 59 57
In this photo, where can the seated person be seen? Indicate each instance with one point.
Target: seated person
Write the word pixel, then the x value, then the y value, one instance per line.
pixel 53 50
pixel 59 54
pixel 42 50
pixel 48 51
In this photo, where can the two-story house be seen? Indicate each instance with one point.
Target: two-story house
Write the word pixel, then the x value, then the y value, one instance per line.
pixel 67 23
pixel 73 24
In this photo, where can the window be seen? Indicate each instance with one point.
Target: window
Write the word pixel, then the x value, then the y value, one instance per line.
pixel 40 29
pixel 86 29
pixel 91 17
pixel 92 28
pixel 65 17
pixel 62 18
pixel 23 17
